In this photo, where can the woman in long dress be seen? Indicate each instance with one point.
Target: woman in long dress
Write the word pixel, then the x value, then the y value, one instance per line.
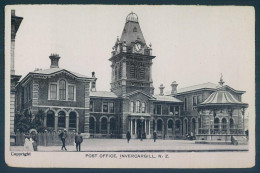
pixel 28 144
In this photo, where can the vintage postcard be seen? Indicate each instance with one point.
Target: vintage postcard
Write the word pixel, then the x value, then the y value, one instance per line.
pixel 141 86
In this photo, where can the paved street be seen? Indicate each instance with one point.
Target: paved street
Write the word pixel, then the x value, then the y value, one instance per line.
pixel 147 145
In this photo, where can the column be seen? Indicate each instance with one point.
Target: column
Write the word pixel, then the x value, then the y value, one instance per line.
pixel 67 122
pixel 129 127
pixel 179 113
pixel 197 126
pixel 148 127
pixel 135 126
pixel 132 130
pixel 77 125
pixel 56 122
pixel 86 115
pixel 145 126
pixel 173 110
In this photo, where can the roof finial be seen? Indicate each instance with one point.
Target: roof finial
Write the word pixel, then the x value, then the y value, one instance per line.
pixel 221 82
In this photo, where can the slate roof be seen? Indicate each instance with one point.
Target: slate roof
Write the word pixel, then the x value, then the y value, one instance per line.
pixel 167 99
pixel 129 35
pixel 105 94
pixel 54 70
pixel 207 85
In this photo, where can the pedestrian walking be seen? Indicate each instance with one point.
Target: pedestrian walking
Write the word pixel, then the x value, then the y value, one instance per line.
pixel 154 136
pixel 128 136
pixel 63 136
pixel 78 141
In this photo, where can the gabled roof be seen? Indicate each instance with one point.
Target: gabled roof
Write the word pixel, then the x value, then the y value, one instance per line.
pixel 105 94
pixel 167 99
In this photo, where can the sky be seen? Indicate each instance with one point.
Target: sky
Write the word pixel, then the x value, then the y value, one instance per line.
pixel 192 44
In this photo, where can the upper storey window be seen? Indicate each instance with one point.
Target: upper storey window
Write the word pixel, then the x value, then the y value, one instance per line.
pixel 143 107
pixel 132 71
pixel 132 106
pixel 137 109
pixel 134 30
pixel 62 89
pixel 53 91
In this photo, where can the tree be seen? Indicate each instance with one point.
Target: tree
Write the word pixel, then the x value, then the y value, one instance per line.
pixel 25 121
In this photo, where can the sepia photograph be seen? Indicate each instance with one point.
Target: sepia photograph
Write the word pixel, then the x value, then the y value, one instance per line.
pixel 130 86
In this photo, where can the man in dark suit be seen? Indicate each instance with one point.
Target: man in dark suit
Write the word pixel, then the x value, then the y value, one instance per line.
pixel 78 141
pixel 63 136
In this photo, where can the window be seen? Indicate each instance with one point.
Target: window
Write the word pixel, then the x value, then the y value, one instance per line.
pixel 111 107
pixel 53 91
pixel 132 106
pixel 50 119
pixel 72 120
pixel 172 109
pixel 137 109
pixel 91 106
pixel 194 102
pixel 62 89
pixel 199 99
pixel 71 92
pixel 105 107
pixel 159 109
pixel 29 92
pixel 142 72
pixel 132 71
pixel 143 107
pixel 177 111
pixel 134 30
pixel 61 119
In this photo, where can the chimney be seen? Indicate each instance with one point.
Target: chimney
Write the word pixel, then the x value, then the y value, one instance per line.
pixel 93 83
pixel 161 89
pixel 54 60
pixel 174 87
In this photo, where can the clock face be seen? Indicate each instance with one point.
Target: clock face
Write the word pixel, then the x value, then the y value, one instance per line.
pixel 138 47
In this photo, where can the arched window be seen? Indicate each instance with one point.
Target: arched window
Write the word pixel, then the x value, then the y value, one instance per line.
pixel 143 107
pixel 62 89
pixel 120 71
pixel 224 123
pixel 113 125
pixel 103 125
pixel 170 124
pixel 178 126
pixel 134 30
pixel 61 119
pixel 137 109
pixel 159 125
pixel 50 119
pixel 72 120
pixel 193 129
pixel 132 106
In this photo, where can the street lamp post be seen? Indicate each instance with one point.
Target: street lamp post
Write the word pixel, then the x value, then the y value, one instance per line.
pixel 142 120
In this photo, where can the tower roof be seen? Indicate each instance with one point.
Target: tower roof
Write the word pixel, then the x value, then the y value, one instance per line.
pixel 132 31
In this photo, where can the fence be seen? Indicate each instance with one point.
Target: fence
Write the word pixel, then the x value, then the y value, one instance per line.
pixel 46 139
pixel 220 131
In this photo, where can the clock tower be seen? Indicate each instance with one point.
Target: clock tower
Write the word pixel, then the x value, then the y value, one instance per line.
pixel 131 61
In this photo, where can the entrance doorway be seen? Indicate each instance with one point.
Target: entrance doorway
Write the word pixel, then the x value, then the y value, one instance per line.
pixel 140 128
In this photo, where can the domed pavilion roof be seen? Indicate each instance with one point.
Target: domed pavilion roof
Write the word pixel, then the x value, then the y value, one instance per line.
pixel 222 97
